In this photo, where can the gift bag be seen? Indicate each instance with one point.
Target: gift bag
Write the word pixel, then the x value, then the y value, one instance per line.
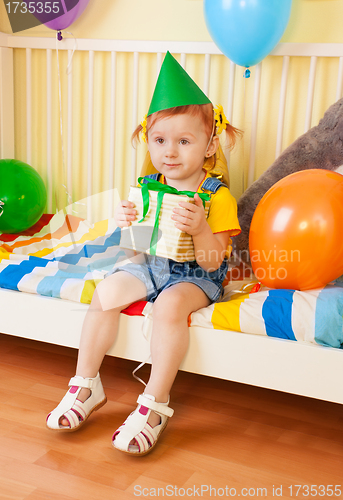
pixel 153 232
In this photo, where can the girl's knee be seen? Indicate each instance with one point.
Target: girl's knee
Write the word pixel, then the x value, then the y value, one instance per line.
pixel 170 306
pixel 117 291
pixel 105 297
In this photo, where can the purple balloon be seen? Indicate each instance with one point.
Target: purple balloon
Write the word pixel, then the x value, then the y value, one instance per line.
pixel 62 22
pixel 58 14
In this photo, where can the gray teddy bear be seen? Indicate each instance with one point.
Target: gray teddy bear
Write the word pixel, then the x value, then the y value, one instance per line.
pixel 320 147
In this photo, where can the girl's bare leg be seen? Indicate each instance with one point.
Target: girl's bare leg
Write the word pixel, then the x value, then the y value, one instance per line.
pixel 100 326
pixel 170 337
pixel 99 330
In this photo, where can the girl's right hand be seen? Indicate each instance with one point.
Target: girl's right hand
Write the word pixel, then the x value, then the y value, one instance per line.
pixel 125 213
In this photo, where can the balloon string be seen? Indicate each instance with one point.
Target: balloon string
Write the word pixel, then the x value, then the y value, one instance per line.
pixel 61 121
pixel 244 121
pixel 69 196
pixel 68 70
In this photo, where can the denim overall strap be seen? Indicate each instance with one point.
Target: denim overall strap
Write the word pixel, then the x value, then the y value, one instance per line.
pixel 212 184
pixel 154 177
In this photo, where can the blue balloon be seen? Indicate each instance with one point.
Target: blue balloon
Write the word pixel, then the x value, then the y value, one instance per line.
pixel 246 30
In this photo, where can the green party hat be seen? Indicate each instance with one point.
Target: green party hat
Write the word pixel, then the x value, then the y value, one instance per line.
pixel 175 87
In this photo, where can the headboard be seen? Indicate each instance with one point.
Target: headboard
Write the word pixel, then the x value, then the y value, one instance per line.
pixel 68 108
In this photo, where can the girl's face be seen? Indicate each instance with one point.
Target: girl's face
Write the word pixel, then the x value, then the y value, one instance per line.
pixel 178 145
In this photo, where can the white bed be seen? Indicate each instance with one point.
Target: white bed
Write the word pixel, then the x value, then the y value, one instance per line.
pixel 272 363
pixel 307 370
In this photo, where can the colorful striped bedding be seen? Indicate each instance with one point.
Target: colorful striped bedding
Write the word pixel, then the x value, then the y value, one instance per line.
pixel 65 257
pixel 61 256
pixel 313 316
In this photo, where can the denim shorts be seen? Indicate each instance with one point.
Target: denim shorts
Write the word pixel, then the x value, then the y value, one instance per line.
pixel 158 273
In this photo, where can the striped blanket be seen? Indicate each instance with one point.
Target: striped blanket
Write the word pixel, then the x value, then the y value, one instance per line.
pixel 61 256
pixel 313 316
pixel 65 257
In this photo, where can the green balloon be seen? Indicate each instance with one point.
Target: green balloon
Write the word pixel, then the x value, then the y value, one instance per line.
pixel 22 196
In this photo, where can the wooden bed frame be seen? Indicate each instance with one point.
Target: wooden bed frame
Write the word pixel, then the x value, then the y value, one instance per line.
pixel 293 367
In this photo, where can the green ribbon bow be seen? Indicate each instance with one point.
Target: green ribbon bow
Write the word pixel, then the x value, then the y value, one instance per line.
pixel 162 189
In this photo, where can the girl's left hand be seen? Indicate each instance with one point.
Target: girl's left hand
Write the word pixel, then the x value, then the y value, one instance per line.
pixel 190 217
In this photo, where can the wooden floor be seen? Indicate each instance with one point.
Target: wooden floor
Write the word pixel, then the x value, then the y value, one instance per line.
pixel 236 439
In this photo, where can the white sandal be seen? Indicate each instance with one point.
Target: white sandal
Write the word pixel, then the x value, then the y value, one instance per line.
pixel 136 427
pixel 72 408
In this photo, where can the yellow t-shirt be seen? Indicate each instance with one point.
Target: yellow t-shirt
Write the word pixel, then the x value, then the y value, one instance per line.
pixel 222 215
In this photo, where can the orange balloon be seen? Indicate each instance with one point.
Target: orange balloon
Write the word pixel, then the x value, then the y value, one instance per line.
pixel 296 236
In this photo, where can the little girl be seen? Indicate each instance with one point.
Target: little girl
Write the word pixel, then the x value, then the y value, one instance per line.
pixel 181 132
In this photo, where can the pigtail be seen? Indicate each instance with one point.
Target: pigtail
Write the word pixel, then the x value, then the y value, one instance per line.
pixel 135 136
pixel 142 127
pixel 233 135
pixel 223 124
